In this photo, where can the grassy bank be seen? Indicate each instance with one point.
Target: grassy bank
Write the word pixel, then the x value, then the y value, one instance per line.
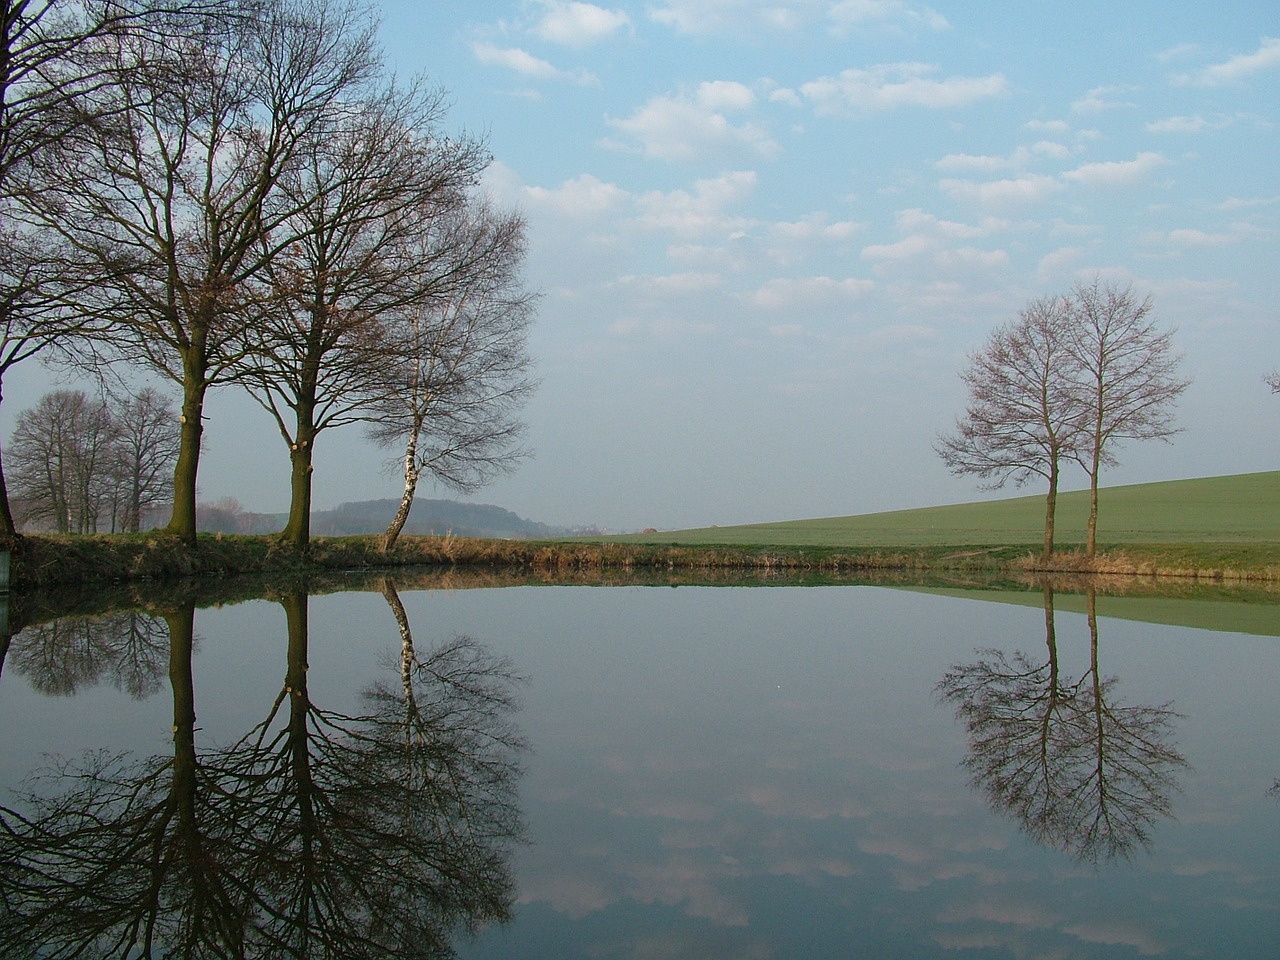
pixel 1223 528
pixel 41 562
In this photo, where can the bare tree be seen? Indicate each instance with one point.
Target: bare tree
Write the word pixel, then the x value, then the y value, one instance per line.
pixel 61 451
pixel 1127 369
pixel 167 204
pixel 1024 414
pixel 1272 380
pixel 461 370
pixel 370 180
pixel 51 75
pixel 145 451
pixel 80 462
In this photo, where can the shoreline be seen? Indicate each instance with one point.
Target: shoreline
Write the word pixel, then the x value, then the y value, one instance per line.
pixel 39 561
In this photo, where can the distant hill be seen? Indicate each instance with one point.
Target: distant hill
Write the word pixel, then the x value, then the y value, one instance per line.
pixel 1244 508
pixel 436 517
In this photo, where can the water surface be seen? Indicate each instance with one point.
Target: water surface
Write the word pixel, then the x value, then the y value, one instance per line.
pixel 657 772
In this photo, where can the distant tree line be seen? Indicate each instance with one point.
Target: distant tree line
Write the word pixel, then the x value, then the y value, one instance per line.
pixel 240 193
pixel 85 465
pixel 1071 379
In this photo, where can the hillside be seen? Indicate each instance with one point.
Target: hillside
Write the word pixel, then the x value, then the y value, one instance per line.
pixel 372 516
pixel 1241 509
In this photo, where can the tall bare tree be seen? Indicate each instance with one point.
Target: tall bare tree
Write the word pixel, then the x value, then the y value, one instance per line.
pixel 1126 366
pixel 370 181
pixel 1024 414
pixel 51 72
pixel 167 204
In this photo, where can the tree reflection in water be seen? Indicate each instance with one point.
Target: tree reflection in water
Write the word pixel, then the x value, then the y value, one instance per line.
pixel 317 834
pixel 1078 770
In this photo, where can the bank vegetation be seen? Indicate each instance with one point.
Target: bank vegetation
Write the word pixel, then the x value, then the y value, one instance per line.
pixel 48 560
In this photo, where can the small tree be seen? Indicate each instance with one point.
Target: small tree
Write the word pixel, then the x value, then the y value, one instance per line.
pixel 60 450
pixel 80 462
pixel 1023 415
pixel 1126 368
pixel 461 361
pixel 1273 381
pixel 145 451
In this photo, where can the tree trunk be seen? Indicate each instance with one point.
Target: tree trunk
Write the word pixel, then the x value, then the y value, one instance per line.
pixel 8 529
pixel 183 521
pixel 411 474
pixel 1092 544
pixel 298 530
pixel 1050 510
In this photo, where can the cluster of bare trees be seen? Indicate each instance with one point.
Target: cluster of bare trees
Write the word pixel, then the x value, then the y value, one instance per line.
pixel 82 464
pixel 1072 378
pixel 237 192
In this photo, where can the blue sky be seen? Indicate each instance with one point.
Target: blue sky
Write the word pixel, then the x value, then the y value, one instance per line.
pixel 768 234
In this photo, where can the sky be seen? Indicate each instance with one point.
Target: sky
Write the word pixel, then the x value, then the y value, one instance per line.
pixel 767 236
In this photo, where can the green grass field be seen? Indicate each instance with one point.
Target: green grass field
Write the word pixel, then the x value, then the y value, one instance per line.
pixel 1242 509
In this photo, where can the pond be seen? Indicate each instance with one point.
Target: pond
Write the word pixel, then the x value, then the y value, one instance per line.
pixel 644 771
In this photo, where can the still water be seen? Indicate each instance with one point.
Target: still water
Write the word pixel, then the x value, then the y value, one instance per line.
pixel 639 772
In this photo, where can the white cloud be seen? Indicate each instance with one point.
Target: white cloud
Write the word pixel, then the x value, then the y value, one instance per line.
pixel 582 197
pixel 1266 57
pixel 704 210
pixel 915 220
pixel 1056 266
pixel 692 127
pixel 1050 149
pixel 890 86
pixel 1190 237
pixel 525 63
pixel 908 248
pixel 1101 98
pixel 857 12
pixel 1048 126
pixel 578 25
pixel 1016 191
pixel 738 16
pixel 967 162
pixel 808 292
pixel 1117 173
pixel 1178 125
pixel 725 95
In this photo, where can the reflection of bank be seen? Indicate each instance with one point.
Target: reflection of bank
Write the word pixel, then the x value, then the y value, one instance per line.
pixel 317 834
pixel 1080 771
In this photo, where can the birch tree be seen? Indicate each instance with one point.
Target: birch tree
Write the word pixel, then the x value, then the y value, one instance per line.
pixel 462 364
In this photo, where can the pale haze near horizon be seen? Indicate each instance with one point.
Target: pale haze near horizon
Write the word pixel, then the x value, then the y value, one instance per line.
pixel 768 234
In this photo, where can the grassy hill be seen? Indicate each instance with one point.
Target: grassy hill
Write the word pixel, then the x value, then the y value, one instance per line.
pixel 1242 509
